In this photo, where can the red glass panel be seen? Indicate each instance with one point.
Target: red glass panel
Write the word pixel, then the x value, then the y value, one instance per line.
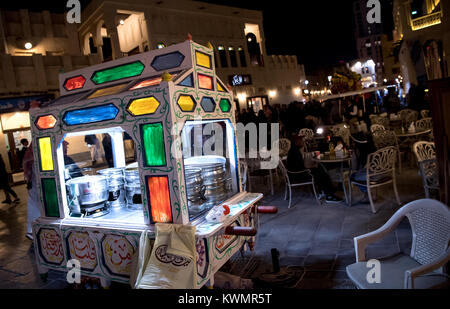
pixel 158 188
pixel 76 82
pixel 205 82
pixel 46 122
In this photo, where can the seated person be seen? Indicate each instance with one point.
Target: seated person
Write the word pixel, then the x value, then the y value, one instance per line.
pixel 296 163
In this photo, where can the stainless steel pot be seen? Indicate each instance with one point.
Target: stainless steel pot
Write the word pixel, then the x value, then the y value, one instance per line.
pixel 89 190
pixel 133 196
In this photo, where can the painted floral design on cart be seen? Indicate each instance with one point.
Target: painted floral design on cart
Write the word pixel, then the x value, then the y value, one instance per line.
pixel 201 251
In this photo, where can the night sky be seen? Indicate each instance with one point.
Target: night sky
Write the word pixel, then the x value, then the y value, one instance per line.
pixel 319 32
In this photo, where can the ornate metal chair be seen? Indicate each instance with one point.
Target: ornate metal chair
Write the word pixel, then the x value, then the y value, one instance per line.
pixel 384 121
pixel 425 113
pixel 387 138
pixel 376 127
pixel 380 171
pixel 255 171
pixel 341 131
pixel 285 146
pixel 426 159
pixel 424 266
pixel 308 180
pixel 424 124
pixel 408 116
pixel 308 135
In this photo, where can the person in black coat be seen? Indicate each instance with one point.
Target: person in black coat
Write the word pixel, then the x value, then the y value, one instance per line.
pixel 296 163
pixel 4 184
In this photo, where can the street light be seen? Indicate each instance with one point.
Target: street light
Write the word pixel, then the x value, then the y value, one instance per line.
pixel 28 45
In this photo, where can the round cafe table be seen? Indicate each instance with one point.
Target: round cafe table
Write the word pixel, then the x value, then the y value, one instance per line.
pixel 326 159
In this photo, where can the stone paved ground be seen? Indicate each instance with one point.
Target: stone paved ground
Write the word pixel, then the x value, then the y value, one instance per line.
pixel 314 241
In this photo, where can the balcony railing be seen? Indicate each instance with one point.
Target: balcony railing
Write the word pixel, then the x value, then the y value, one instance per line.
pixel 426 21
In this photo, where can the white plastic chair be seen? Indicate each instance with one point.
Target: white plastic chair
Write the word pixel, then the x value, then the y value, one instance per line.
pixel 424 124
pixel 425 113
pixel 380 171
pixel 424 266
pixel 309 180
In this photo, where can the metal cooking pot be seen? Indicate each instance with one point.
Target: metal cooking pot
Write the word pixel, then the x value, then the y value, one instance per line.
pixel 89 190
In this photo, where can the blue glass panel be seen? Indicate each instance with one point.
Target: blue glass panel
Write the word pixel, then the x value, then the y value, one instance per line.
pixel 188 82
pixel 90 115
pixel 208 104
pixel 167 61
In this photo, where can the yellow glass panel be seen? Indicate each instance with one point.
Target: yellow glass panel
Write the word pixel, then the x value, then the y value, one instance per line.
pixel 107 91
pixel 45 149
pixel 143 106
pixel 203 60
pixel 186 103
pixel 220 88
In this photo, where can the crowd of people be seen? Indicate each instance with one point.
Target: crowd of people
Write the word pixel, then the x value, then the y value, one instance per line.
pixel 298 115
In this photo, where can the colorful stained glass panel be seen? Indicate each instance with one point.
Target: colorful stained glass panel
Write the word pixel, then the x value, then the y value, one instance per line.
pixel 45 153
pixel 154 148
pixel 107 91
pixel 46 122
pixel 144 106
pixel 74 83
pixel 158 188
pixel 205 82
pixel 167 61
pixel 50 197
pixel 203 60
pixel 91 115
pixel 119 72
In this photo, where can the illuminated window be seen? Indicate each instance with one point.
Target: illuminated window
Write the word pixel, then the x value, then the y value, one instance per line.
pixel 223 57
pixel 160 45
pixel 233 57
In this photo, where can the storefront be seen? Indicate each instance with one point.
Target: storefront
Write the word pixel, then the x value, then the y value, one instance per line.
pixel 15 126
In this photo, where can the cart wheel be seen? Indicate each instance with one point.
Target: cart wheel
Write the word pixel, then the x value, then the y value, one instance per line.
pixel 44 277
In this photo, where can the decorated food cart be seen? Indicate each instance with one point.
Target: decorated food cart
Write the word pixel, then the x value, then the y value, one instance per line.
pixel 160 102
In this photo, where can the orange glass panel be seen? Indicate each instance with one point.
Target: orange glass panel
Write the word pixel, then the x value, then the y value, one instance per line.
pixel 205 82
pixel 158 187
pixel 148 83
pixel 46 122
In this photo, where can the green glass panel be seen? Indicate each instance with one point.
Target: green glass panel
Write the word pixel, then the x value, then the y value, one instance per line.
pixel 225 105
pixel 119 72
pixel 154 150
pixel 50 197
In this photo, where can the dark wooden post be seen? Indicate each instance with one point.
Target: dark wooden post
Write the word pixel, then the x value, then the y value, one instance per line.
pixel 440 111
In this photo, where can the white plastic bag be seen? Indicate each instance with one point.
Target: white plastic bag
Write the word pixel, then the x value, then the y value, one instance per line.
pixel 172 264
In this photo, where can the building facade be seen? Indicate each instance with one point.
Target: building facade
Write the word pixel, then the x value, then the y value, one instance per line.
pixel 36 46
pixel 422 31
pixel 368 40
